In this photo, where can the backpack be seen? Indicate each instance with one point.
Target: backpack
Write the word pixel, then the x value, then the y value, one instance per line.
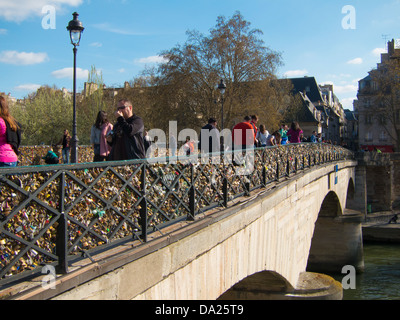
pixel 13 138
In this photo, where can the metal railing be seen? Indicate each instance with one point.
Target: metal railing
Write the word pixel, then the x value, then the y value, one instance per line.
pixel 51 215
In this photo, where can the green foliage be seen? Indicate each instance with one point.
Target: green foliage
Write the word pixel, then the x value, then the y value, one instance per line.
pixel 90 104
pixel 44 116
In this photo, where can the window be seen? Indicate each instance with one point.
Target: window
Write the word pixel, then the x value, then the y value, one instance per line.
pixel 368 119
pixel 383 136
pixel 368 137
pixel 382 119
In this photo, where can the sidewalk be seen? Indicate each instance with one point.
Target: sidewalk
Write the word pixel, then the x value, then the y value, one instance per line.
pixel 378 229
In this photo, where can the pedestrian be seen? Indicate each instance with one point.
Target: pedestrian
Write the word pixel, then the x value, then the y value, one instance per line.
pixel 209 137
pixel 146 141
pixel 127 139
pixel 295 133
pixel 51 157
pixel 98 137
pixel 262 136
pixel 274 139
pixel 283 132
pixel 243 136
pixel 10 136
pixel 313 137
pixel 188 147
pixel 278 138
pixel 66 144
pixel 253 122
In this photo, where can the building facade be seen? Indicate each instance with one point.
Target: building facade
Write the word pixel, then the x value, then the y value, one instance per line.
pixel 327 114
pixel 377 128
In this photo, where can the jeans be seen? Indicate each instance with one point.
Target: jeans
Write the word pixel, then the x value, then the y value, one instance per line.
pixel 65 155
pixel 8 164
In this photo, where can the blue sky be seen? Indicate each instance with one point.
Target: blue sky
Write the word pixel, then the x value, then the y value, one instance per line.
pixel 122 36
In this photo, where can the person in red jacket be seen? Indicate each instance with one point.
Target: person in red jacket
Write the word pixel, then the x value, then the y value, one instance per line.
pixel 243 135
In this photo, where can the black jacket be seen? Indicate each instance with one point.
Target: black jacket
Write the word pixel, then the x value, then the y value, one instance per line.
pixel 127 140
pixel 14 137
pixel 213 144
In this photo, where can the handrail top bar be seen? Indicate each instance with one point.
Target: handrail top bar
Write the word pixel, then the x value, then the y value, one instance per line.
pixel 157 160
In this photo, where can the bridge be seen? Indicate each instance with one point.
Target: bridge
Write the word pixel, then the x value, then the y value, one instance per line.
pixel 180 229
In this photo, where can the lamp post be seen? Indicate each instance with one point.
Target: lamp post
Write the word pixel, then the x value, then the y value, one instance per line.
pixel 75 29
pixel 222 88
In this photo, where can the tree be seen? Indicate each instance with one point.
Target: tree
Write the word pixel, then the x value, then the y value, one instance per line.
pixel 91 103
pixel 44 115
pixel 233 51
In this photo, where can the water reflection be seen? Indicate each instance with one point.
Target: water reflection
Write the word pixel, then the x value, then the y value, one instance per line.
pixel 381 278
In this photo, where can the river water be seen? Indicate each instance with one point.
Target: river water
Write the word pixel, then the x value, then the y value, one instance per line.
pixel 381 277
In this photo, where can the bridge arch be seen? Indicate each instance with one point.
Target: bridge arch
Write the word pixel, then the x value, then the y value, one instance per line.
pixel 261 285
pixel 351 199
pixel 331 206
pixel 337 238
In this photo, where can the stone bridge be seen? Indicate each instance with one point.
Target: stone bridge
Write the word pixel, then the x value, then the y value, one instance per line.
pixel 256 244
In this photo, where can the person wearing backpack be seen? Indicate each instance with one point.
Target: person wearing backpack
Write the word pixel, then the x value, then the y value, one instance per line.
pixel 10 136
pixel 51 157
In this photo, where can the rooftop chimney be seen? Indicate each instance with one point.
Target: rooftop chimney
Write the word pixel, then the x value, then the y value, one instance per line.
pixel 391 48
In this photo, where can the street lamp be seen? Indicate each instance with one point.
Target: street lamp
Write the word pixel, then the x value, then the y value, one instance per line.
pixel 75 29
pixel 222 88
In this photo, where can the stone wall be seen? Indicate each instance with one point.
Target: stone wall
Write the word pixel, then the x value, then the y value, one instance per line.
pixel 395 177
pixel 382 180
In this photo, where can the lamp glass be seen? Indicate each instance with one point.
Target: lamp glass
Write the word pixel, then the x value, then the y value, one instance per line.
pixel 75 37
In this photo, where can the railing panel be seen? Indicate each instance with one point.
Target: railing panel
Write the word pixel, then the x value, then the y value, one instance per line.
pixel 28 218
pixel 51 214
pixel 167 193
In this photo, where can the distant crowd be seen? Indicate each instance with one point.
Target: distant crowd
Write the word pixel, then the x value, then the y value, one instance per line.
pixel 127 138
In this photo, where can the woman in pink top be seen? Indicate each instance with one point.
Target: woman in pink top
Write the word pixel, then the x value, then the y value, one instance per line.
pixel 98 137
pixel 8 157
pixel 294 133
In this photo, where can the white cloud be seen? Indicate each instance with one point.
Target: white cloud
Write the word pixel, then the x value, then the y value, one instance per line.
pixel 345 89
pixel 96 44
pixel 355 61
pixel 378 51
pixel 20 10
pixel 3 31
pixel 22 58
pixel 295 73
pixel 347 103
pixel 68 73
pixel 31 87
pixel 151 59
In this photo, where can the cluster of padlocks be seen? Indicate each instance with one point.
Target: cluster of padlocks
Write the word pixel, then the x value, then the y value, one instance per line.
pixel 106 203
